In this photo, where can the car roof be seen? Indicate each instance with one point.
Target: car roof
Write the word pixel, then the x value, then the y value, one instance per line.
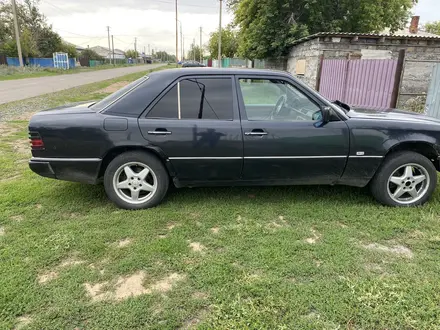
pixel 176 73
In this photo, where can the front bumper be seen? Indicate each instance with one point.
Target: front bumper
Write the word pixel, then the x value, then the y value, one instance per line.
pixel 85 170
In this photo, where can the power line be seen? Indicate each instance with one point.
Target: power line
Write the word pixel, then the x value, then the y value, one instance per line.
pixel 77 34
pixel 56 7
pixel 86 43
pixel 184 5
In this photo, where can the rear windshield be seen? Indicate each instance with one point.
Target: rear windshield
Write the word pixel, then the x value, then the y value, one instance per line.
pixel 118 94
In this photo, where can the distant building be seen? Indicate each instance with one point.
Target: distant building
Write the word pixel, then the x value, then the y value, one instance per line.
pixel 104 52
pixel 79 49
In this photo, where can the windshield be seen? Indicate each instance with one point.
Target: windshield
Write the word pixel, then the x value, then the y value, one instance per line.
pixel 118 94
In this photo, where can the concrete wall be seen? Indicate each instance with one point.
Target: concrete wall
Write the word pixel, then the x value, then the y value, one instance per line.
pixel 310 52
pixel 421 56
pixel 276 64
pixel 417 74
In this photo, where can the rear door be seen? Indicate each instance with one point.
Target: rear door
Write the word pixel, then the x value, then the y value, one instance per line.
pixel 195 122
pixel 286 145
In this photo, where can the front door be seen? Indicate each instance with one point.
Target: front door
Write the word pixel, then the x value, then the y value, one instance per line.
pixel 282 142
pixel 196 124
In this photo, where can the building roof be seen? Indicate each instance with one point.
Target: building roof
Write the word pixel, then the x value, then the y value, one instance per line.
pixel 401 34
pixel 76 47
pixel 103 51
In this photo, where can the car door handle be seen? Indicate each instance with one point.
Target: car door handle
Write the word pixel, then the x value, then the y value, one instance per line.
pixel 160 131
pixel 256 132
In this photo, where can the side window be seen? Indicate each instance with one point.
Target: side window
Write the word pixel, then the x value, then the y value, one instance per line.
pixel 206 98
pixel 271 99
pixel 166 107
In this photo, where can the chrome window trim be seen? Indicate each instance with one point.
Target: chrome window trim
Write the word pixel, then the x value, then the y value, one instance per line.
pixel 43 159
pixel 209 158
pixel 270 157
pixel 293 157
pixel 127 92
pixel 366 156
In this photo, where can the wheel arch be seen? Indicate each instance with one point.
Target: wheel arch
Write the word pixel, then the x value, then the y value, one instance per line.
pixel 427 149
pixel 116 151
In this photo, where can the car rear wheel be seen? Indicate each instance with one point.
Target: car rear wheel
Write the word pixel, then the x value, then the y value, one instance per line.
pixel 405 179
pixel 136 180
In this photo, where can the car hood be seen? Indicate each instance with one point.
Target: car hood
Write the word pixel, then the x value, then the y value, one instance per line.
pixel 391 114
pixel 75 108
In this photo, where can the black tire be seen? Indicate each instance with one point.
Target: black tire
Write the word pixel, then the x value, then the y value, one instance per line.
pixel 157 172
pixel 379 184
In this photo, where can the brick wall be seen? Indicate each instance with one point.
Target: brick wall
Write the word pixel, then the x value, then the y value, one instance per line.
pixel 310 52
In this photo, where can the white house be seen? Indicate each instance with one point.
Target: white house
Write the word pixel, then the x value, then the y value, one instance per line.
pixel 104 52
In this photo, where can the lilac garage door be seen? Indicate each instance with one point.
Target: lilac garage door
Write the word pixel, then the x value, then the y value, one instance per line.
pixel 361 83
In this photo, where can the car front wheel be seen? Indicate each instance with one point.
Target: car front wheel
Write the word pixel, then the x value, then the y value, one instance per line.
pixel 405 179
pixel 136 180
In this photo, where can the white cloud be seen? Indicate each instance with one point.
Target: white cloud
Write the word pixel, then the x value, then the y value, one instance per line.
pixel 428 10
pixel 152 24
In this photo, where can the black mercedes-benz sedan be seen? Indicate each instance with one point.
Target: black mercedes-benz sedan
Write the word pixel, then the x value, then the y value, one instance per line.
pixel 212 127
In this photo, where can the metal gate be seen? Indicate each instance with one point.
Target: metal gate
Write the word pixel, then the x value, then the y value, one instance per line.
pixel 361 83
pixel 432 107
pixel 61 61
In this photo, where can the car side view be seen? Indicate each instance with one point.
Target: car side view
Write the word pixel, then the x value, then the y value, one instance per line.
pixel 215 127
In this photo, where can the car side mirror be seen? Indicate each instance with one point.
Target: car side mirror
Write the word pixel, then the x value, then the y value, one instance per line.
pixel 323 116
pixel 326 114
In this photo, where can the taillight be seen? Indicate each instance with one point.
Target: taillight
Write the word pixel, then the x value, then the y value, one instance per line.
pixel 36 141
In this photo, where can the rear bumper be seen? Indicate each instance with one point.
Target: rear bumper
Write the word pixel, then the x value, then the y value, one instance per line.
pixel 83 170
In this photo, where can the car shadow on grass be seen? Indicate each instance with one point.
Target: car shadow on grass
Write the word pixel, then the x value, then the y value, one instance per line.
pixel 94 195
pixel 272 194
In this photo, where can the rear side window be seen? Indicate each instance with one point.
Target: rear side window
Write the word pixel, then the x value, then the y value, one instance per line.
pixel 118 94
pixel 205 98
pixel 166 107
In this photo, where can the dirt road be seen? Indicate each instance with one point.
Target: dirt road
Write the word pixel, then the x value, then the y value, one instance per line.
pixel 14 90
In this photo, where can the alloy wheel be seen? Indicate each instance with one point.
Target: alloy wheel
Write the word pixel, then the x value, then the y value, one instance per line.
pixel 135 182
pixel 408 184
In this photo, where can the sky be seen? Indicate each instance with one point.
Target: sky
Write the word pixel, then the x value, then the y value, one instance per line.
pixel 84 22
pixel 152 22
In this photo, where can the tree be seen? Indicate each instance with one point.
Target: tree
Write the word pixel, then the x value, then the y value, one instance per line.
pixel 69 49
pixel 164 56
pixel 194 53
pixel 37 37
pixel 229 43
pixel 48 42
pixel 433 27
pixel 267 28
pixel 131 53
pixel 91 54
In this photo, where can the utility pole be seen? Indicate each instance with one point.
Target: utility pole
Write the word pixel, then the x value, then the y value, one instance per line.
pixel 220 37
pixel 194 49
pixel 135 49
pixel 183 48
pixel 113 50
pixel 201 52
pixel 17 32
pixel 181 42
pixel 177 39
pixel 149 51
pixel 109 49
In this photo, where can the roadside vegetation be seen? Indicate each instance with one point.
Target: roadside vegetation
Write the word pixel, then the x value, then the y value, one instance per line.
pixel 15 72
pixel 224 258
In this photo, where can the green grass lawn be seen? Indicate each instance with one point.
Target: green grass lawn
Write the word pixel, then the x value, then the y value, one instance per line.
pixel 226 258
pixel 5 74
